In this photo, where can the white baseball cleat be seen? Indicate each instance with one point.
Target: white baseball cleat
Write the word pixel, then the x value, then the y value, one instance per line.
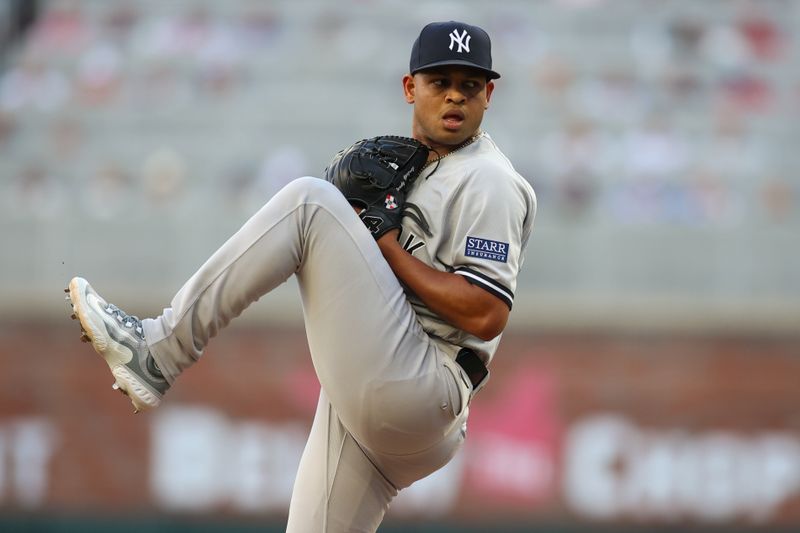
pixel 119 338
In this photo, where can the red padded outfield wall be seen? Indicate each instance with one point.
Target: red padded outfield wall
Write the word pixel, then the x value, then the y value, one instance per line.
pixel 571 429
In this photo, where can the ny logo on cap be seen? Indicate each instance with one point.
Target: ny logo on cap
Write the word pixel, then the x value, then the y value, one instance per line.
pixel 462 41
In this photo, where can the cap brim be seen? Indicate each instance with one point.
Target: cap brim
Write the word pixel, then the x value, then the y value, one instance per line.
pixel 490 73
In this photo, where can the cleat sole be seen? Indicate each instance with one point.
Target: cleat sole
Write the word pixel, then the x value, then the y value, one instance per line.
pixel 141 398
pixel 94 331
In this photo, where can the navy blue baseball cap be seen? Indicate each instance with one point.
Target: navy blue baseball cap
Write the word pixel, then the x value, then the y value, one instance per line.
pixel 452 43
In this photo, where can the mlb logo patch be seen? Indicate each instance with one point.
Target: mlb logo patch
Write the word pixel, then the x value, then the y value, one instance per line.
pixel 487 249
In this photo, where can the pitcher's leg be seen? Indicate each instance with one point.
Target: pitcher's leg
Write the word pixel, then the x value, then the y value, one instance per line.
pixel 377 366
pixel 256 259
pixel 372 357
pixel 337 488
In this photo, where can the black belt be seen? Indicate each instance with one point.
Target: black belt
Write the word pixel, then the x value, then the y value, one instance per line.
pixel 474 367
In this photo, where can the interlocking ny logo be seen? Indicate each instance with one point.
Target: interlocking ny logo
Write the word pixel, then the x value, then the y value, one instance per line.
pixel 462 41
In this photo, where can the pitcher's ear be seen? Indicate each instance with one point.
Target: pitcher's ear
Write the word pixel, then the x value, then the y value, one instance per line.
pixel 409 88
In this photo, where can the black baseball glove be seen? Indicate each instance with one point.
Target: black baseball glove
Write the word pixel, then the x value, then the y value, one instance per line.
pixel 374 174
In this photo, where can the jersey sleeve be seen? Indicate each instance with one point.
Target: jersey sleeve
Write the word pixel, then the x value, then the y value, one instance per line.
pixel 493 217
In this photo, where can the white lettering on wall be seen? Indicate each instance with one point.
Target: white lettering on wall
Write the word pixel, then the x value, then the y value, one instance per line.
pixel 201 460
pixel 26 447
pixel 614 468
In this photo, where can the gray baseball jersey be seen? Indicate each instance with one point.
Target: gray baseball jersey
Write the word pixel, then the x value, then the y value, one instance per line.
pixel 470 213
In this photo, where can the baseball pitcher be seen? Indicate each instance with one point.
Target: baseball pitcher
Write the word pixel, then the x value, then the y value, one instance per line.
pixel 415 242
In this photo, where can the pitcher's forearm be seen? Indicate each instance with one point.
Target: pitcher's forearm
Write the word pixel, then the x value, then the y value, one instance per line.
pixel 449 295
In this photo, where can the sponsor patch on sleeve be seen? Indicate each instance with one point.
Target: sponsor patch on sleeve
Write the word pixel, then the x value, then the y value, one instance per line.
pixel 487 249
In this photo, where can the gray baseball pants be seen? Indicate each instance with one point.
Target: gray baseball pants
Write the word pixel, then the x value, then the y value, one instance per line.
pixel 393 404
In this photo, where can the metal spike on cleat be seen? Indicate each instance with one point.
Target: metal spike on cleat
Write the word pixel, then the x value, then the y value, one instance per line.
pixel 116 386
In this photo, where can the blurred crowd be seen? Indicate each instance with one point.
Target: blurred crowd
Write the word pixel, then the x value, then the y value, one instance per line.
pixel 696 129
pixel 619 112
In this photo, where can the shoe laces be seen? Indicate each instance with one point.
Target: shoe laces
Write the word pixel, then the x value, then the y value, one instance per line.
pixel 129 321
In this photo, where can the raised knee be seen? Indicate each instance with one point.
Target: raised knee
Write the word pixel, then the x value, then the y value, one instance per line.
pixel 310 188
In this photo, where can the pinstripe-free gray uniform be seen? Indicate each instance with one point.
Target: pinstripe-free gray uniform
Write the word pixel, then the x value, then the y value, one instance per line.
pixel 393 405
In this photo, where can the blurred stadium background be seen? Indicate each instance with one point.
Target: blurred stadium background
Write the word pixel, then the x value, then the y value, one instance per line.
pixel 649 378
